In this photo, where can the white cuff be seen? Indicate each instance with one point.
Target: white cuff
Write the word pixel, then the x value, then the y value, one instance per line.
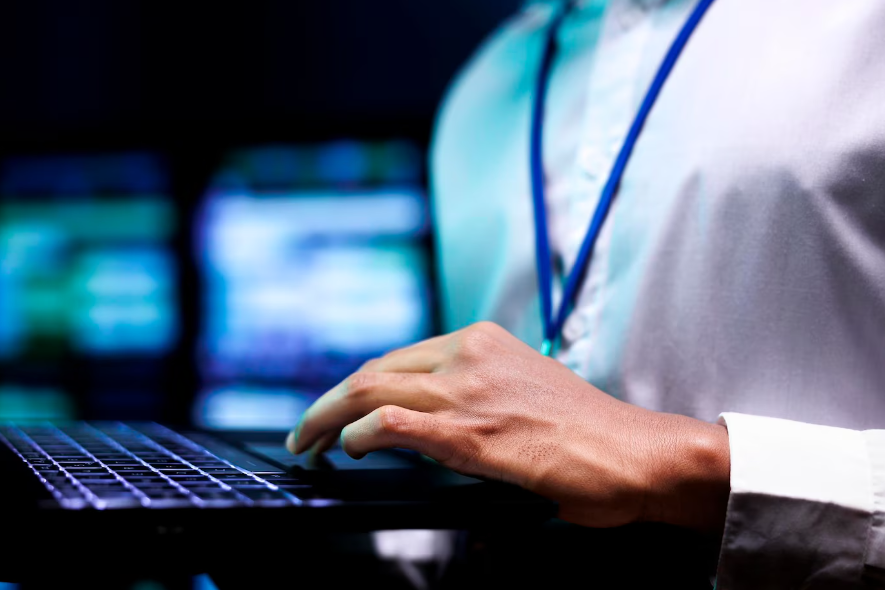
pixel 874 559
pixel 800 509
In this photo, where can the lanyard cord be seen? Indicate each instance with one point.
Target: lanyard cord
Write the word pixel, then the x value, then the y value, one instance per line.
pixel 536 151
pixel 553 326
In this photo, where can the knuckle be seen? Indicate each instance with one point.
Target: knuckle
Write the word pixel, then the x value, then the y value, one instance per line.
pixel 360 385
pixel 487 327
pixel 475 341
pixel 391 420
pixel 370 365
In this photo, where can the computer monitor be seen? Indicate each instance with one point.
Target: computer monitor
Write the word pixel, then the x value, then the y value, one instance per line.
pixel 87 274
pixel 314 259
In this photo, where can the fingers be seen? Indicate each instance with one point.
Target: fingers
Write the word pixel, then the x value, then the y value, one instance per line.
pixel 394 427
pixel 424 357
pixel 361 394
pixel 326 442
pixel 402 378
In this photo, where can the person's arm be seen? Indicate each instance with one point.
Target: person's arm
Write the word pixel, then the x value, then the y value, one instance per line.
pixel 483 403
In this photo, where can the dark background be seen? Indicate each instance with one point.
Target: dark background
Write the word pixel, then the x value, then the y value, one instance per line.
pixel 107 73
pixel 193 80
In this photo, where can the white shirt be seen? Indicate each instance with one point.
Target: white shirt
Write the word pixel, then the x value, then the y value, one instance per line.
pixel 741 271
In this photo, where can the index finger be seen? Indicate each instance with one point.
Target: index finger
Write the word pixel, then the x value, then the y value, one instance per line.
pixel 359 395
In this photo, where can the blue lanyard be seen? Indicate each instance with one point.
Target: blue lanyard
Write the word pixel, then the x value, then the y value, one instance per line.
pixel 553 325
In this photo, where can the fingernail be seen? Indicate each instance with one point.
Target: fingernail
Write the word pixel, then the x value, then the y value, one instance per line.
pixel 291 442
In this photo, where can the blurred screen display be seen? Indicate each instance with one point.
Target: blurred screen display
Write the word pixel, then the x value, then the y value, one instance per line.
pixel 309 272
pixel 85 275
pixel 87 272
pixel 34 403
pixel 263 408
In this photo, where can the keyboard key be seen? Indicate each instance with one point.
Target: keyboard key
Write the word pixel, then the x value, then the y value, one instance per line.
pixel 112 493
pixel 58 480
pixel 147 482
pixel 221 470
pixel 190 478
pixel 85 470
pixel 214 494
pixel 105 485
pixel 205 483
pixel 108 494
pixel 97 480
pixel 137 474
pixel 74 465
pixel 238 475
pixel 179 472
pixel 158 489
pixel 154 484
pixel 167 465
pixel 122 462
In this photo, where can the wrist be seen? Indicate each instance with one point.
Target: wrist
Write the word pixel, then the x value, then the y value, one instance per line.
pixel 689 485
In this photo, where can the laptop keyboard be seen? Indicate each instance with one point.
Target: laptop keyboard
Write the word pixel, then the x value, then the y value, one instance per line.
pixel 120 466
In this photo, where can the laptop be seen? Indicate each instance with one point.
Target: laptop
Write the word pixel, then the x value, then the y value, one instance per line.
pixel 183 500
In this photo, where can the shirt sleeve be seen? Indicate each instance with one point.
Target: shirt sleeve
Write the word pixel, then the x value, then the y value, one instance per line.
pixel 807 506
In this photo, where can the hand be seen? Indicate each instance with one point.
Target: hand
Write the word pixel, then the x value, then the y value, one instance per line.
pixel 483 403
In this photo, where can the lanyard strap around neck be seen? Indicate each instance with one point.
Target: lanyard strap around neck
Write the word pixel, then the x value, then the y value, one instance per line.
pixel 553 324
